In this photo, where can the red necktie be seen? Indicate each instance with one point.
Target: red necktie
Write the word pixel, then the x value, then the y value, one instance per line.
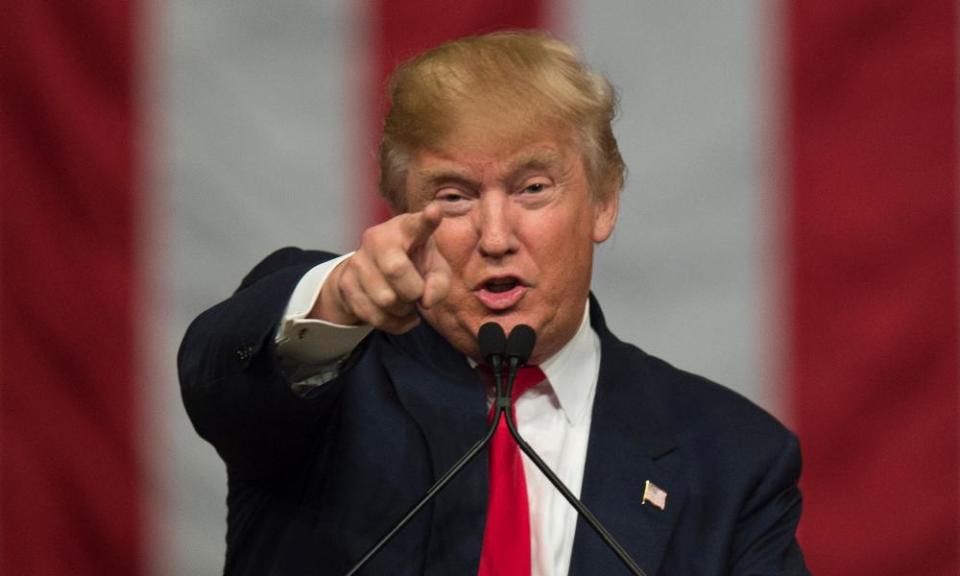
pixel 506 538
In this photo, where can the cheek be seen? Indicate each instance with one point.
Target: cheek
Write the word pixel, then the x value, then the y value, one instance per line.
pixel 567 251
pixel 562 234
pixel 455 241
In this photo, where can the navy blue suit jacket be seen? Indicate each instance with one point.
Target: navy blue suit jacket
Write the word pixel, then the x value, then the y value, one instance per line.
pixel 314 480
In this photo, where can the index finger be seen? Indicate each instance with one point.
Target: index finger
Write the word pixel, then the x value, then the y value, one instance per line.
pixel 417 227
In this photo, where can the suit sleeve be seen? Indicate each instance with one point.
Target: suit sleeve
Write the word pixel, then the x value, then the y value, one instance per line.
pixel 234 390
pixel 765 542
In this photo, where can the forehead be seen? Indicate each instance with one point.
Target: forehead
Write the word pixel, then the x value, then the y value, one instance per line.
pixel 481 143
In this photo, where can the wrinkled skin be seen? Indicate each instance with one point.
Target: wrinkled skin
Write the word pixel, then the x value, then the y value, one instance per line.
pixel 498 229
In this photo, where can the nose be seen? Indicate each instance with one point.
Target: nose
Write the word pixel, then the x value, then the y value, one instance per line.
pixel 496 226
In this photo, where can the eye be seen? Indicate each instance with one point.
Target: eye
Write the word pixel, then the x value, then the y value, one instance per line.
pixel 453 201
pixel 535 188
pixel 450 196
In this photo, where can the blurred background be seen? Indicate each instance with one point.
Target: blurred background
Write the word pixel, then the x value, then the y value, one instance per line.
pixel 789 228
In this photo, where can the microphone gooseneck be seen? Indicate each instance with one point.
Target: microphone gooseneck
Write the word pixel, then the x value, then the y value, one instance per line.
pixel 492 343
pixel 516 349
pixel 519 346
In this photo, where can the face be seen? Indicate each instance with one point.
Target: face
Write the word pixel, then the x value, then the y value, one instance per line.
pixel 520 223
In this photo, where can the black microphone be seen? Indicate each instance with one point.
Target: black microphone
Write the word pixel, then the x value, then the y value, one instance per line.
pixel 520 344
pixel 493 343
pixel 518 349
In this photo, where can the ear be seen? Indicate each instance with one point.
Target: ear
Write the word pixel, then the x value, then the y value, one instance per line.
pixel 605 212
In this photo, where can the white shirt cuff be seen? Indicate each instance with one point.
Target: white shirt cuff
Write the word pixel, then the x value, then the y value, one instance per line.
pixel 311 342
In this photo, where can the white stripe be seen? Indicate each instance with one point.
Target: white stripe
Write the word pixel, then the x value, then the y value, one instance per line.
pixel 254 108
pixel 682 276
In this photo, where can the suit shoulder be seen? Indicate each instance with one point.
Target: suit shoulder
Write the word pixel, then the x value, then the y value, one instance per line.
pixel 698 403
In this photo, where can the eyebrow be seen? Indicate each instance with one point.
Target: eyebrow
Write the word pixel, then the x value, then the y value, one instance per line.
pixel 536 160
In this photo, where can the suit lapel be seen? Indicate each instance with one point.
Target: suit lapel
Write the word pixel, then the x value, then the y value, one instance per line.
pixel 629 445
pixel 447 400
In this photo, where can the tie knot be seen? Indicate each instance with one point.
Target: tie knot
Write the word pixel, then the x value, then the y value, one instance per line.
pixel 527 378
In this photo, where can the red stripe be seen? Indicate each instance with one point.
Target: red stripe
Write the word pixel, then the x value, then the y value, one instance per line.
pixel 872 130
pixel 399 30
pixel 69 472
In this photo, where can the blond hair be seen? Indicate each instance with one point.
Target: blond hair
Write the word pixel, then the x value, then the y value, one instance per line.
pixel 513 78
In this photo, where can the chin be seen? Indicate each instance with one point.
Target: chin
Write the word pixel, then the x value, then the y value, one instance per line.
pixel 505 318
pixel 461 329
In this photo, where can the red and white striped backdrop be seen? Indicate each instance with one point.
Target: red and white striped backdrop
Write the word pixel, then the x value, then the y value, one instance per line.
pixel 789 228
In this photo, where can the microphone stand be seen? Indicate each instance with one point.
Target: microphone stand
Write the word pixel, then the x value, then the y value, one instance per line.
pixel 502 407
pixel 583 511
pixel 496 362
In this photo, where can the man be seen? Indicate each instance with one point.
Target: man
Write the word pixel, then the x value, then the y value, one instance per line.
pixel 337 390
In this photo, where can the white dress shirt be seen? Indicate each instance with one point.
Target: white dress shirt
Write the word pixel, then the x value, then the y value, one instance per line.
pixel 553 417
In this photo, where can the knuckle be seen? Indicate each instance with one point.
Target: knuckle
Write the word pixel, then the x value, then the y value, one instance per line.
pixel 385 298
pixel 394 266
pixel 368 236
pixel 355 265
pixel 414 289
pixel 372 238
pixel 348 286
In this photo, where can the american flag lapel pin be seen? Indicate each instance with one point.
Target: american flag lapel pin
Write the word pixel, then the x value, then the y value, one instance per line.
pixel 654 495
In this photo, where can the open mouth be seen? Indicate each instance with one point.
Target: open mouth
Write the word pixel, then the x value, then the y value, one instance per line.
pixel 500 285
pixel 501 294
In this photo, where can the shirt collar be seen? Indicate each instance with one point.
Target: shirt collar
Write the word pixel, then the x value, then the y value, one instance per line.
pixel 573 371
